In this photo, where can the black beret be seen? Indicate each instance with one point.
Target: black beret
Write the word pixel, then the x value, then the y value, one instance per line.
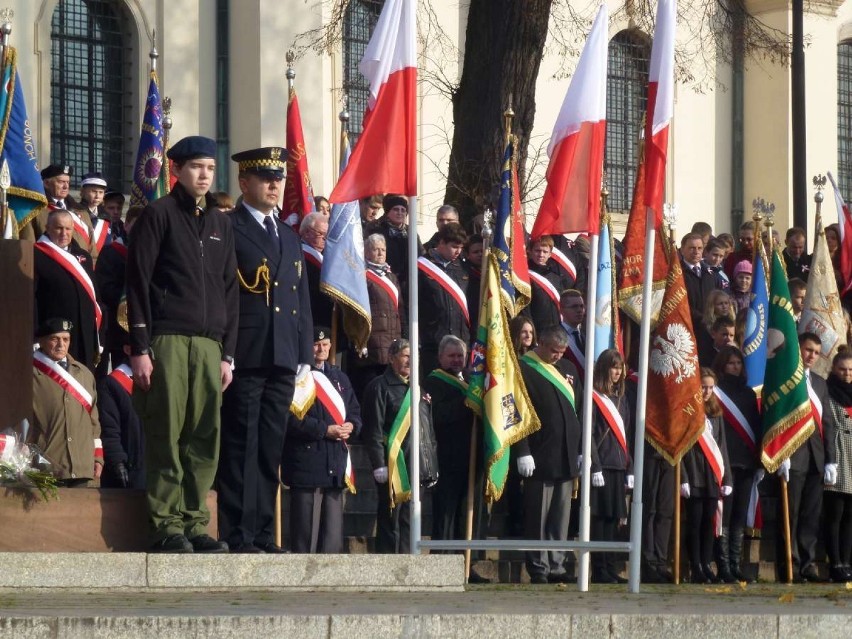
pixel 55 169
pixel 191 147
pixel 267 161
pixel 52 326
pixel 390 200
pixel 321 333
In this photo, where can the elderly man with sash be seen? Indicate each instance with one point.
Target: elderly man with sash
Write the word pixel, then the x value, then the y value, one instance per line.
pixel 63 286
pixel 65 425
pixel 547 285
pixel 317 465
pixel 443 301
pixel 809 468
pixel 548 460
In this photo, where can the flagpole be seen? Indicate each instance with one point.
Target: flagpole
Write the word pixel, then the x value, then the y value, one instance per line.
pixel 291 72
pixel 586 471
pixel 414 379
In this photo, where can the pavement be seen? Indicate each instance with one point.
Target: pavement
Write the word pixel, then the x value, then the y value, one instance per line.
pixel 756 611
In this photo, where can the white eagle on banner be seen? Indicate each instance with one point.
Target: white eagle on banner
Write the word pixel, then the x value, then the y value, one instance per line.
pixel 675 356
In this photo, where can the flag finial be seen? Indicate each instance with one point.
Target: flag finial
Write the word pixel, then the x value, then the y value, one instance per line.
pixel 343 116
pixel 291 72
pixel 6 16
pixel 819 184
pixel 154 54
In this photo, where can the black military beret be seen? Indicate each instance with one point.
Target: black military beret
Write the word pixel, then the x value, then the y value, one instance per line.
pixel 191 147
pixel 321 333
pixel 267 161
pixel 391 200
pixel 52 326
pixel 55 169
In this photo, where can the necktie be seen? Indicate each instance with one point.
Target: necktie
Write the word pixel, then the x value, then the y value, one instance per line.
pixel 270 230
pixel 579 339
pixel 60 204
pixel 697 270
pixel 64 363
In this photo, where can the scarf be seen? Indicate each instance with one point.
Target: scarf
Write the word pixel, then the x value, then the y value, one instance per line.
pixel 839 391
pixel 381 269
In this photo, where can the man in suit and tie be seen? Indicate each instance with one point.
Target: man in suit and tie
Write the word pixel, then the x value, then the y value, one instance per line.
pixel 274 343
pixel 808 469
pixel 698 279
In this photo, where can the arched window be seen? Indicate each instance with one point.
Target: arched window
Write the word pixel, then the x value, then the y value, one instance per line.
pixel 89 88
pixel 844 118
pixel 626 89
pixel 358 24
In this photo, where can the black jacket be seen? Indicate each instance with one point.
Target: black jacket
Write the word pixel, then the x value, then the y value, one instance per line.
pixel 310 459
pixel 110 277
pixel 453 422
pixel 121 434
pixel 440 315
pixel 696 469
pixel 743 397
pixel 541 309
pixel 279 333
pixel 819 449
pixel 610 454
pixel 697 290
pixel 382 400
pixel 557 445
pixel 182 273
pixel 800 268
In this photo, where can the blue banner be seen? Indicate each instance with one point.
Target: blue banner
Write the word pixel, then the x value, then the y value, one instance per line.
pixel 754 338
pixel 149 159
pixel 18 147
pixel 604 333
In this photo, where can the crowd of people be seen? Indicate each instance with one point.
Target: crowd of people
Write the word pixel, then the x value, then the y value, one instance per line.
pixel 171 339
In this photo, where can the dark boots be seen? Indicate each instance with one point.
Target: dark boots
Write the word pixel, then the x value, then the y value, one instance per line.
pixel 735 554
pixel 723 560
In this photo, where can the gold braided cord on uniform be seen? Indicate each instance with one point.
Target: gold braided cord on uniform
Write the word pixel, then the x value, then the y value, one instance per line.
pixel 261 280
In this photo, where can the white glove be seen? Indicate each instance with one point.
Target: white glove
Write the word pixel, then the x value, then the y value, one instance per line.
pixel 760 475
pixel 629 483
pixel 784 470
pixel 684 491
pixel 580 462
pixel 301 371
pixel 526 466
pixel 830 474
pixel 727 490
pixel 598 480
pixel 381 475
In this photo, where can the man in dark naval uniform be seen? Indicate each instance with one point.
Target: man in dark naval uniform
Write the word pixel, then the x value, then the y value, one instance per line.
pixel 273 341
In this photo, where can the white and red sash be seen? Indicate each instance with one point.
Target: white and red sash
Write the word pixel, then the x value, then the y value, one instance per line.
pixel 549 289
pixel 816 406
pixel 712 452
pixel 565 262
pixel 312 255
pixel 436 274
pixel 73 268
pixel 613 418
pixel 101 233
pixel 119 245
pixel 80 226
pixel 124 376
pixel 385 284
pixel 734 416
pixel 575 354
pixel 65 380
pixel 333 402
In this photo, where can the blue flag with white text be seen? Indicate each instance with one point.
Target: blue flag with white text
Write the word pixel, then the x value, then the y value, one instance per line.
pixel 754 337
pixel 147 186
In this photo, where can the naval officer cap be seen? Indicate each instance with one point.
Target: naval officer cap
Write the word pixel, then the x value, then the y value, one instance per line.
pixel 267 161
pixel 321 333
pixel 54 325
pixel 191 148
pixel 93 179
pixel 55 169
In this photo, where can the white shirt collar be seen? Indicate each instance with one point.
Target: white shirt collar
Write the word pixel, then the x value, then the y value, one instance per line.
pixel 259 217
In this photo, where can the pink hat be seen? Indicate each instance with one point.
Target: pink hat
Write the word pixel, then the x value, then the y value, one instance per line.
pixel 742 267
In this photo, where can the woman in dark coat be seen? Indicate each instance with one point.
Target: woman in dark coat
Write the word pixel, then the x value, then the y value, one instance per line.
pixel 837 499
pixel 611 433
pixel 706 478
pixel 742 435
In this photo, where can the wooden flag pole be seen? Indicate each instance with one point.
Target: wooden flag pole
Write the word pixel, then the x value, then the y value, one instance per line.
pixel 677 524
pixel 788 546
pixel 278 511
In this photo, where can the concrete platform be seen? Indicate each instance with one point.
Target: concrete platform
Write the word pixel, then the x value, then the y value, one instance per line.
pixel 150 572
pixel 519 612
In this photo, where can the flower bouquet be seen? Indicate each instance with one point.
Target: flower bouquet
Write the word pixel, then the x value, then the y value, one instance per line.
pixel 23 467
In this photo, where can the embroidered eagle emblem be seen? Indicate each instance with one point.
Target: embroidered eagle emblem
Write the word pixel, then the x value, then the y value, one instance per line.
pixel 675 355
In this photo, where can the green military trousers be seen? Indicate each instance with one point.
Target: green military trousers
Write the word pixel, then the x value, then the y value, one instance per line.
pixel 180 416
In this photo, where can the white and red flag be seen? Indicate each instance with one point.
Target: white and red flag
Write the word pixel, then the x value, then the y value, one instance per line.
pixel 571 201
pixel 384 159
pixel 660 107
pixel 844 218
pixel 298 192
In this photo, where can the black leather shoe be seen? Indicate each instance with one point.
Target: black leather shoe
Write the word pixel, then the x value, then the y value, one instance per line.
pixel 603 578
pixel 708 570
pixel 173 544
pixel 271 549
pixel 559 578
pixel 619 579
pixel 538 579
pixel 246 549
pixel 476 578
pixel 838 574
pixel 810 575
pixel 206 544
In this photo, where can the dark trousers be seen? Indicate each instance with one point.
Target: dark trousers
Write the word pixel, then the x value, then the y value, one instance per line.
pixel 316 520
pixel 604 529
pixel 838 527
pixel 658 492
pixel 805 495
pixel 547 513
pixel 254 422
pixel 700 531
pixel 393 528
pixel 449 501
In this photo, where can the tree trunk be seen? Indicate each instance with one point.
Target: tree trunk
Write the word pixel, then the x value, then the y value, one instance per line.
pixel 503 48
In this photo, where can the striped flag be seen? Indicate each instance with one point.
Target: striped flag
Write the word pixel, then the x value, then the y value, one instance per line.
pixel 845 223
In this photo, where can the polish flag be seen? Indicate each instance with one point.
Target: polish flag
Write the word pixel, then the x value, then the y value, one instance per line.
pixel 572 198
pixel 844 218
pixel 660 107
pixel 384 159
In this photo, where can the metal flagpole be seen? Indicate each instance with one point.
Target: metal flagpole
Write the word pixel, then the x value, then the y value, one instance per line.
pixel 641 403
pixel 586 471
pixel 414 379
